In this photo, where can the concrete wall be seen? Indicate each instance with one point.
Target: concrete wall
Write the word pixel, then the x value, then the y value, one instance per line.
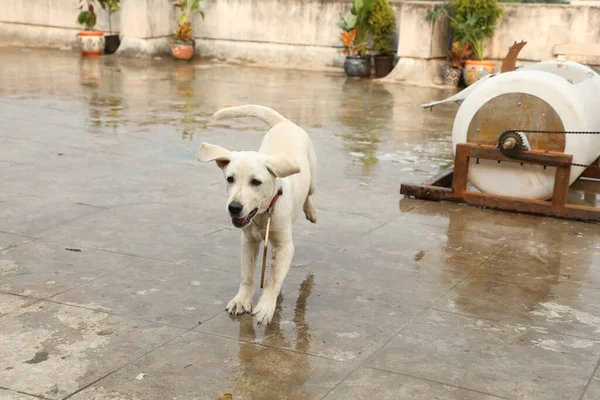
pixel 302 33
pixel 544 26
pixel 51 13
pixel 47 23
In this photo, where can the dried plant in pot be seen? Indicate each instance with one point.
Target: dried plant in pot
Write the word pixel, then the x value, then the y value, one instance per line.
pixel 355 27
pixel 452 69
pixel 90 42
pixel 383 22
pixel 183 45
pixel 112 40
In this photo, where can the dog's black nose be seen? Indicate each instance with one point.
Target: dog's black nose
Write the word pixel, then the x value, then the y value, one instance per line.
pixel 235 208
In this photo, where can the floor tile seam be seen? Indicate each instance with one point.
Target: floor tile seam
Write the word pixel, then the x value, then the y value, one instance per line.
pixel 113 314
pixel 493 279
pixel 470 274
pixel 425 309
pixel 350 213
pixel 73 288
pixel 36 196
pixel 375 351
pixel 181 246
pixel 199 237
pixel 58 241
pixel 98 151
pixel 207 320
pixel 415 209
pixel 18 234
pixel 104 216
pixel 126 364
pixel 10 313
pixel 266 346
pixel 91 205
pixel 44 233
pixel 14 246
pixel 149 258
pixel 37 396
pixel 437 382
pixel 379 226
pixel 516 324
pixel 65 146
pixel 418 315
pixel 21 139
pixel 589 382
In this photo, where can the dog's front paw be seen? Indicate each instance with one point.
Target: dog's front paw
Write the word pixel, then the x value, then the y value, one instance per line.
pixel 264 311
pixel 239 305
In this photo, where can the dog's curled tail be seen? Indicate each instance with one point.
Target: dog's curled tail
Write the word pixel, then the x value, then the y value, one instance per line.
pixel 265 114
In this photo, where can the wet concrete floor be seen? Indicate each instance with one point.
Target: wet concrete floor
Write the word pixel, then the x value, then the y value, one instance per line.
pixel 118 257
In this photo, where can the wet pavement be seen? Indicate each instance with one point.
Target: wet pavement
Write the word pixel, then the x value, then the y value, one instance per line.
pixel 117 258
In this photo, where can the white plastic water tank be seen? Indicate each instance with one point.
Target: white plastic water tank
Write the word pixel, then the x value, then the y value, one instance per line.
pixel 543 96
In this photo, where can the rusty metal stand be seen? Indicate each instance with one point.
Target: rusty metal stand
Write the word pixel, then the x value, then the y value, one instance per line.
pixel 451 185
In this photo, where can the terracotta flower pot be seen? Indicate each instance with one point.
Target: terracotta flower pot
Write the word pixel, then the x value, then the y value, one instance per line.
pixel 91 42
pixel 475 70
pixel 182 50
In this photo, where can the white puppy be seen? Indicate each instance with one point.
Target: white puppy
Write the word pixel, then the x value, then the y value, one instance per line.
pixel 285 163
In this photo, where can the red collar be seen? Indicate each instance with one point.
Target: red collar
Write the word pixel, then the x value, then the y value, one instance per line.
pixel 279 193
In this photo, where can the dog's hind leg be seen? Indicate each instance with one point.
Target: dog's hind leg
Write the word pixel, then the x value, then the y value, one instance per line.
pixel 242 302
pixel 309 211
pixel 312 162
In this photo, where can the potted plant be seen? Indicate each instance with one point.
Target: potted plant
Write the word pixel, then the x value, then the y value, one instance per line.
pixel 183 45
pixel 90 41
pixel 112 41
pixel 452 69
pixel 355 28
pixel 473 21
pixel 383 22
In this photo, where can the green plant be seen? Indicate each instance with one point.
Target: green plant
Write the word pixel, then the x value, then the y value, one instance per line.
pixel 185 10
pixel 358 18
pixel 111 7
pixel 473 21
pixel 383 22
pixel 87 16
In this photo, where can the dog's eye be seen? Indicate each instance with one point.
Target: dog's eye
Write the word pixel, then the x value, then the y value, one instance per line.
pixel 255 182
pixel 230 179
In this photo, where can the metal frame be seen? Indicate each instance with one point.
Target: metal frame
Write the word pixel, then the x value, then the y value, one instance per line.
pixel 451 185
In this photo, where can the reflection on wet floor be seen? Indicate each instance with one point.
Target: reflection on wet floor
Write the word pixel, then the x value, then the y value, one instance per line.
pixel 288 374
pixel 378 124
pixel 388 298
pixel 585 192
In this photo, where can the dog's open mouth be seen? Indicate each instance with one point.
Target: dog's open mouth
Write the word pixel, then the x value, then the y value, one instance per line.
pixel 242 222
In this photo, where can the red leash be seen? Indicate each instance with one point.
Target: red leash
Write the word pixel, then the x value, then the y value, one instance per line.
pixel 270 211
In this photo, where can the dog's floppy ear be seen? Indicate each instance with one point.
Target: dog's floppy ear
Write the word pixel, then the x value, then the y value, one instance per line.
pixel 282 167
pixel 211 152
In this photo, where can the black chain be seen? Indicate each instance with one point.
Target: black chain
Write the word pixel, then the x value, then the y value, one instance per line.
pixel 534 159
